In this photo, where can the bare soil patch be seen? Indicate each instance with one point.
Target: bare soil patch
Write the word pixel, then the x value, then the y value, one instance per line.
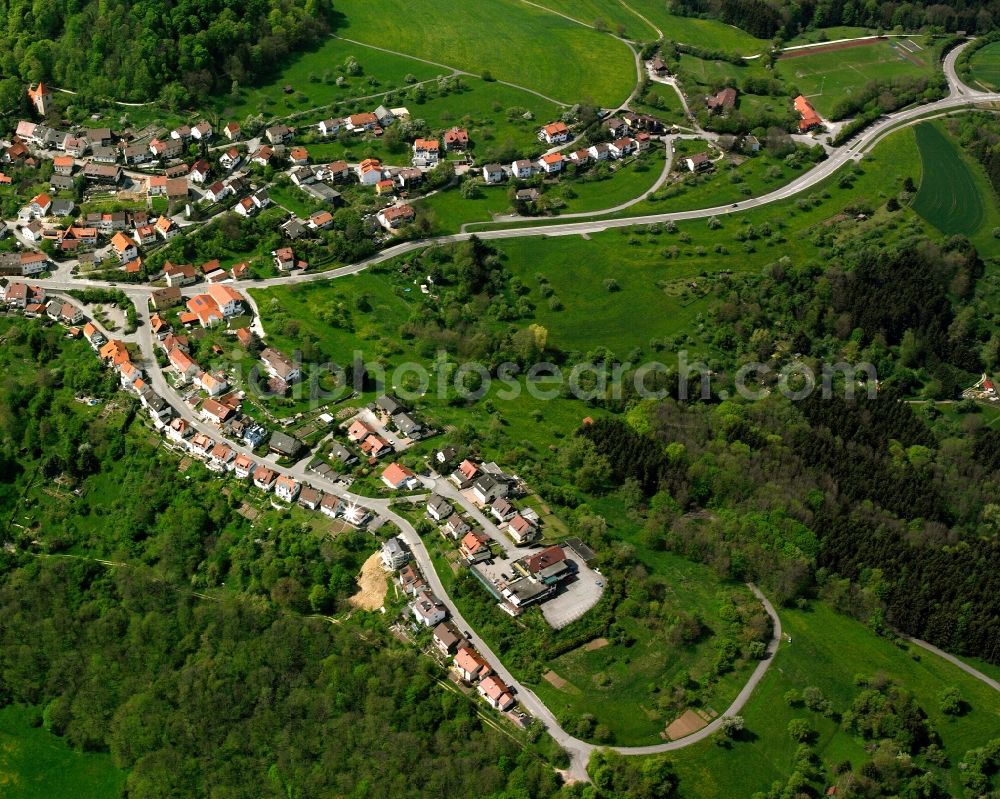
pixel 687 723
pixel 372 585
pixel 556 681
pixel 828 48
pixel 597 643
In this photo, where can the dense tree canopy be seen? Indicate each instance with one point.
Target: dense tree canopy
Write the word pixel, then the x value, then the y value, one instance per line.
pixel 784 18
pixel 163 49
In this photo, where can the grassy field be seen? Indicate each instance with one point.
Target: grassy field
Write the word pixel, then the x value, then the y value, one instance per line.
pixel 380 72
pixel 493 113
pixel 450 210
pixel 606 15
pixel 827 650
pixel 537 45
pixel 829 35
pixel 701 77
pixel 707 33
pixel 829 77
pixel 613 682
pixel 297 314
pixel 592 316
pixel 35 764
pixel 662 277
pixel 950 197
pixel 986 66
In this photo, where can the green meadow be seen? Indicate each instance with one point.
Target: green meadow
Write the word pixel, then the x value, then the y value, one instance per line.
pixel 537 49
pixel 605 15
pixel 708 33
pixel 313 75
pixel 827 651
pixel 986 66
pixel 500 120
pixel 951 194
pixel 449 210
pixel 35 764
pixel 829 77
pixel 613 682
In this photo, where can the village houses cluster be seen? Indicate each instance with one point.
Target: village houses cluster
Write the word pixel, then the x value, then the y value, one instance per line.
pixel 470 667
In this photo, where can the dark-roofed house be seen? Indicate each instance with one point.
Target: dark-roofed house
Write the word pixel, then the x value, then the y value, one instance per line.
pixel 722 101
pixel 284 445
pixel 438 508
pixel 447 638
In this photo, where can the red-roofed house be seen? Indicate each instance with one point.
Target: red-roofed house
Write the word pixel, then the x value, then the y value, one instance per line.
pixel 496 693
pixel 229 301
pixel 397 477
pixel 456 139
pixel 810 119
pixel 470 665
pixel 551 163
pixel 206 309
pixel 554 133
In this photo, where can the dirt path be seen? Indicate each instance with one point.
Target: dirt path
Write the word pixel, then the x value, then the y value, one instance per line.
pixel 372 585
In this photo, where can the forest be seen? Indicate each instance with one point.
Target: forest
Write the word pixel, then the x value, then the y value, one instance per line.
pixel 859 502
pixel 785 19
pixel 142 615
pixel 176 52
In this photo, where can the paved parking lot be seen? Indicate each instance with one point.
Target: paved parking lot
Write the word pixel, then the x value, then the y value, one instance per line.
pixel 575 597
pixel 494 572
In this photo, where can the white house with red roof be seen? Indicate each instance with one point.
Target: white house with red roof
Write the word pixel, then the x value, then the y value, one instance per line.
pixel 286 488
pixel 554 133
pixel 398 477
pixel 551 163
pixel 470 665
pixel 496 693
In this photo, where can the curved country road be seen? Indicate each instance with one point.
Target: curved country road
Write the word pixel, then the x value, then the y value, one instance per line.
pixel 971 671
pixel 960 96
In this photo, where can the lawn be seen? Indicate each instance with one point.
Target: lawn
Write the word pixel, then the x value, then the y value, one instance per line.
pixel 313 77
pixel 620 685
pixel 950 196
pixel 733 179
pixel 591 316
pixel 293 198
pixel 827 650
pixel 606 15
pixel 700 77
pixel 493 113
pixel 871 182
pixel 35 764
pixel 516 42
pixel 300 317
pixel 827 78
pixel 829 35
pixel 708 33
pixel 986 66
pixel 450 210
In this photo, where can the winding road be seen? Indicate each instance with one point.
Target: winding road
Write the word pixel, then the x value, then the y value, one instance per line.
pixel 959 96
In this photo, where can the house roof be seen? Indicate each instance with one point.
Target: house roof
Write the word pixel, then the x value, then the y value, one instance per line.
pixel 470 660
pixel 216 409
pixel 397 474
pixel 398 212
pixel 549 556
pixel 224 294
pixel 447 635
pixel 496 689
pixel 555 128
pixel 263 475
pixel 552 158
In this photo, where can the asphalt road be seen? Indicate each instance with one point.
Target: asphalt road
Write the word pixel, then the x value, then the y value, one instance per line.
pixel 579 751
